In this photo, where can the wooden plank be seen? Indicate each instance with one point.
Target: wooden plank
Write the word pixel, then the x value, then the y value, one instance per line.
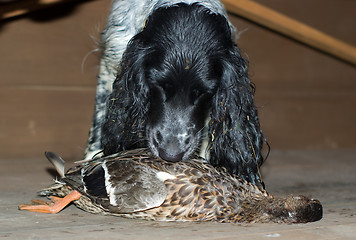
pixel 298 119
pixel 292 28
pixel 37 120
pixel 54 53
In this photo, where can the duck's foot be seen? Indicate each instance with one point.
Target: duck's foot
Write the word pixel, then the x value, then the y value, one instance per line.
pixel 56 205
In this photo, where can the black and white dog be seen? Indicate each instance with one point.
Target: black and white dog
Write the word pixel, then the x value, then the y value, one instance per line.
pixel 166 67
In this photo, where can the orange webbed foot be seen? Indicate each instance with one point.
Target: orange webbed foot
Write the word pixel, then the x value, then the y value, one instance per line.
pixel 55 199
pixel 39 202
pixel 55 206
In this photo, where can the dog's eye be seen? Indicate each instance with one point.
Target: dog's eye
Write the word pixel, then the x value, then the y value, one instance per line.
pixel 167 89
pixel 195 95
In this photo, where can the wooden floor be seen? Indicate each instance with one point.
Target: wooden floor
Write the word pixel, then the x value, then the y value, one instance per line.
pixel 328 176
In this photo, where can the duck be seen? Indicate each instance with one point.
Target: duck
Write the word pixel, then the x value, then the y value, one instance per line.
pixel 136 184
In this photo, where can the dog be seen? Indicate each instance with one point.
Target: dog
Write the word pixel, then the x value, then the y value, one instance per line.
pixel 171 76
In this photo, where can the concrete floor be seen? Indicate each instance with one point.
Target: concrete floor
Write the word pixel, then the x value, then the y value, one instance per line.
pixel 328 176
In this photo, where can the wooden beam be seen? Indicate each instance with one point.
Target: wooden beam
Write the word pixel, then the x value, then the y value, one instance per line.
pixel 292 28
pixel 244 8
pixel 18 8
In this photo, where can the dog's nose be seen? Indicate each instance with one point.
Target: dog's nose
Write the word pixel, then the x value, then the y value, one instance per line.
pixel 171 147
pixel 170 157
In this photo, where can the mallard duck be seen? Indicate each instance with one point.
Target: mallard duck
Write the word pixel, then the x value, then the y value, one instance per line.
pixel 136 184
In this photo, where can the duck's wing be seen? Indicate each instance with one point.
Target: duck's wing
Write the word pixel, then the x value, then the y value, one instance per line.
pixel 120 186
pixel 57 162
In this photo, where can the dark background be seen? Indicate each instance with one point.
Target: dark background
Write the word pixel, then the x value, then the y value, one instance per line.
pixel 48 67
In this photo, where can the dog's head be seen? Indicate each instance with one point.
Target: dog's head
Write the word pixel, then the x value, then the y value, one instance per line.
pixel 180 69
pixel 183 71
pixel 169 74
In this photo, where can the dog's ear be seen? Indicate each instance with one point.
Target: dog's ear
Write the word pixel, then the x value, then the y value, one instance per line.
pixel 236 139
pixel 127 105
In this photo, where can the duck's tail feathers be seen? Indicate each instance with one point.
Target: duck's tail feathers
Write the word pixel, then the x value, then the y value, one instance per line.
pixel 57 162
